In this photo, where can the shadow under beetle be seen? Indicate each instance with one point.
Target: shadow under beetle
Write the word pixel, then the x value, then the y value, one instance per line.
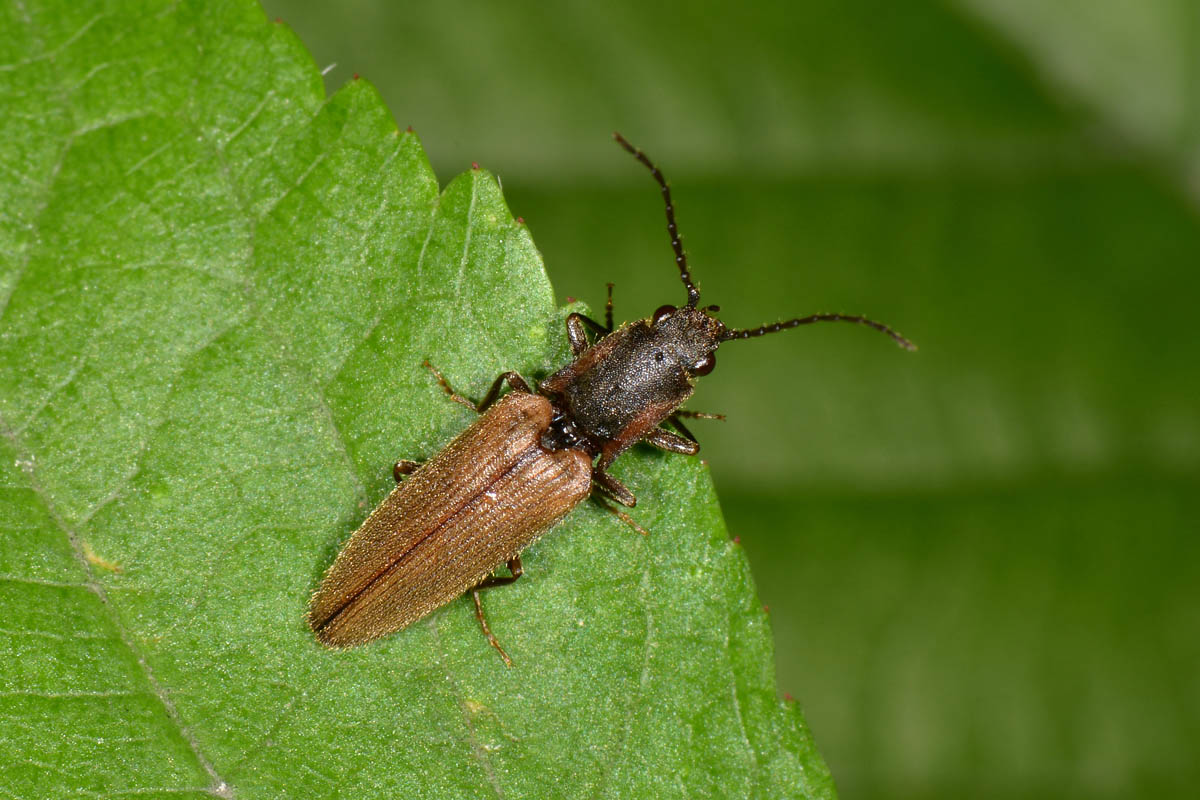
pixel 528 460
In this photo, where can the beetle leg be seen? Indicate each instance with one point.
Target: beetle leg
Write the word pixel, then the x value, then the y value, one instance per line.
pixel 683 412
pixel 404 467
pixel 619 514
pixel 576 336
pixel 608 310
pixel 514 566
pixel 513 379
pixel 613 487
pixel 445 384
pixel 577 327
pixel 491 637
pixel 672 443
pixel 676 421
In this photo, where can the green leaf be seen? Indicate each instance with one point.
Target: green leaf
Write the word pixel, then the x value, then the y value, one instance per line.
pixel 995 536
pixel 217 288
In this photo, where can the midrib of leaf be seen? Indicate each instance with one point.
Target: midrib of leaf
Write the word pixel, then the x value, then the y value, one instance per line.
pixel 477 750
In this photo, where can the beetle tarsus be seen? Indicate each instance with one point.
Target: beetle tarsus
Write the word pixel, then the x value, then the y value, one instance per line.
pixel 683 412
pixel 619 514
pixel 491 637
pixel 513 379
pixel 514 567
pixel 445 384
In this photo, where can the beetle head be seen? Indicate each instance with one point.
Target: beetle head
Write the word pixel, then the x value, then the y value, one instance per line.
pixel 692 335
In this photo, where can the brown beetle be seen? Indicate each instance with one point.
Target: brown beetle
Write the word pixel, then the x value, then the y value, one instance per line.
pixel 528 461
pixel 478 503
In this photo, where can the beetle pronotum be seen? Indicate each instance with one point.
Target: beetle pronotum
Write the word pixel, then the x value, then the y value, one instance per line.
pixel 528 460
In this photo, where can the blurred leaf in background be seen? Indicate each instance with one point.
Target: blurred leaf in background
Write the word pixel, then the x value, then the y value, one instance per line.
pixel 981 558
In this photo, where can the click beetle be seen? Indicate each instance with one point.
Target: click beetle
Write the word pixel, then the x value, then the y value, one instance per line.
pixel 531 457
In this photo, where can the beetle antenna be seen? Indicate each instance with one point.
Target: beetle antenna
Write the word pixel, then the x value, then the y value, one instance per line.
pixel 672 228
pixel 747 333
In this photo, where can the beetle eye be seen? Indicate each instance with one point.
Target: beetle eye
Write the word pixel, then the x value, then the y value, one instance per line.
pixel 662 313
pixel 705 365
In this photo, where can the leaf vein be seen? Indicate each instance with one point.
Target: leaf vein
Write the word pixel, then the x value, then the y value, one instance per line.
pixel 480 755
pixel 50 54
pixel 220 787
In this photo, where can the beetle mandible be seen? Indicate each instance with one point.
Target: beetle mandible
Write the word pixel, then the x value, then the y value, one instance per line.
pixel 528 460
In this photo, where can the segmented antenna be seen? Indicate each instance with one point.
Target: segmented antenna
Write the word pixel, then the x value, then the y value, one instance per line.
pixel 672 228
pixel 795 323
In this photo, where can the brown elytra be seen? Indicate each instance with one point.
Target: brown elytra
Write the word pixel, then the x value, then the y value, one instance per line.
pixel 478 503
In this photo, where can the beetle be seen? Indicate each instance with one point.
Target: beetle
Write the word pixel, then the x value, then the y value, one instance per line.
pixel 531 457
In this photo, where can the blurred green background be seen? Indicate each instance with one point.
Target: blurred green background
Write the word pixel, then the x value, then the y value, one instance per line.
pixel 981 558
